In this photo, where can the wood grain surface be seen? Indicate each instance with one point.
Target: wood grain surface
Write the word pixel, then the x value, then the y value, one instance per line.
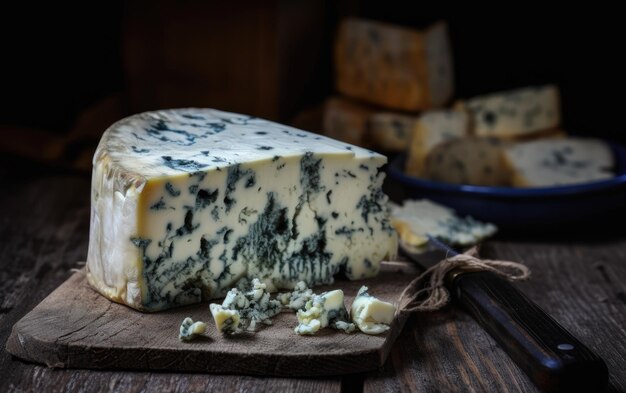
pixel 579 279
pixel 76 327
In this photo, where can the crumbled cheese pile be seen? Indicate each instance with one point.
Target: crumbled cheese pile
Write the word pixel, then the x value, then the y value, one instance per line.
pixel 324 310
pixel 249 304
pixel 245 310
pixel 314 312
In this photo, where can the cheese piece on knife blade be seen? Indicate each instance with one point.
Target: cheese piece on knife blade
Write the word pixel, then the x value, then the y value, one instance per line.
pixel 187 202
pixel 416 219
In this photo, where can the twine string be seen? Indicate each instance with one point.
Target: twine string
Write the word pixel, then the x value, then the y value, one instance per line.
pixel 437 296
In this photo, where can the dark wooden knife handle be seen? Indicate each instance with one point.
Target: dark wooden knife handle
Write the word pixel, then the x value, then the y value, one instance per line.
pixel 553 359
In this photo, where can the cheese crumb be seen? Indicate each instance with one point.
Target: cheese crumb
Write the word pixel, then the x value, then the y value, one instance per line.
pixel 190 329
pixel 371 315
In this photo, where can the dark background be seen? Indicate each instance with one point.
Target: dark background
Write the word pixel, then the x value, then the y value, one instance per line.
pixel 73 69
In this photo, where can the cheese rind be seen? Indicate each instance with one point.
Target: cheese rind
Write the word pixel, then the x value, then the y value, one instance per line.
pixel 187 202
pixel 563 161
pixel 516 112
pixel 431 129
pixel 392 66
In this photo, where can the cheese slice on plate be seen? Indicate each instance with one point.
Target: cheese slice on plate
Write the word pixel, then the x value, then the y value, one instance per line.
pixel 467 160
pixel 561 161
pixel 514 113
pixel 187 202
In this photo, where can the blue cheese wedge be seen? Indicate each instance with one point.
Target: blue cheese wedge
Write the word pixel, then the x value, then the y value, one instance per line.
pixel 417 218
pixel 326 309
pixel 371 315
pixel 515 112
pixel 190 329
pixel 245 310
pixel 187 202
pixel 561 161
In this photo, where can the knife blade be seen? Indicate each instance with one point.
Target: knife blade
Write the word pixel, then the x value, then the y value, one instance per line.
pixel 551 356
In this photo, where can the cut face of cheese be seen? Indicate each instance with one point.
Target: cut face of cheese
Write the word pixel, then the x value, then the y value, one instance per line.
pixel 187 202
pixel 431 129
pixel 516 112
pixel 552 162
pixel 392 66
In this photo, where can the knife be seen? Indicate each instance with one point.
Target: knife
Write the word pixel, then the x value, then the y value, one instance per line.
pixel 551 356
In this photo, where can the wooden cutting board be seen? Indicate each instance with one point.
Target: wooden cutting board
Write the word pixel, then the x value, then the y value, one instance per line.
pixel 75 327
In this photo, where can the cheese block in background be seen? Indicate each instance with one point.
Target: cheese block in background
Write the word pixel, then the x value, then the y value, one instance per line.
pixel 364 125
pixel 467 160
pixel 513 113
pixel 431 129
pixel 187 202
pixel 390 132
pixel 544 134
pixel 552 162
pixel 346 120
pixel 392 66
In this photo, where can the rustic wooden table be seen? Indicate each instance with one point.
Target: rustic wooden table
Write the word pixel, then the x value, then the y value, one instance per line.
pixel 579 280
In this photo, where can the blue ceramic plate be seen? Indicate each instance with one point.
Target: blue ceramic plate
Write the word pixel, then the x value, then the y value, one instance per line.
pixel 515 208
